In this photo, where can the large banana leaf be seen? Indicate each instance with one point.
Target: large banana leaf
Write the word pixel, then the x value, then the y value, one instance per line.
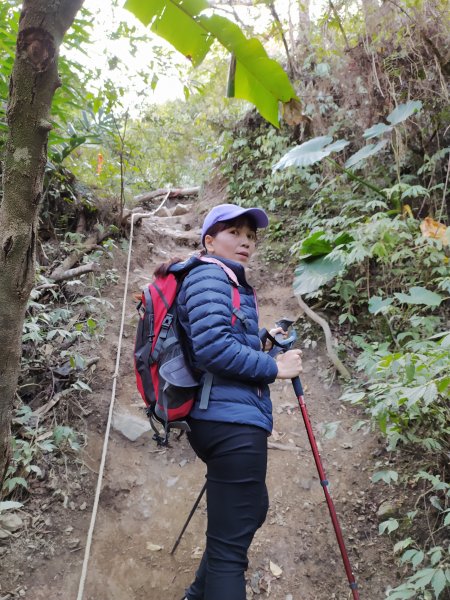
pixel 311 275
pixel 191 29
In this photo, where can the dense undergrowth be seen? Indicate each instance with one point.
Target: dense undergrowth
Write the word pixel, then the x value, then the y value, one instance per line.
pixel 387 295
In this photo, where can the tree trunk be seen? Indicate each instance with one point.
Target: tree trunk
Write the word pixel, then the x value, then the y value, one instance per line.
pixel 33 83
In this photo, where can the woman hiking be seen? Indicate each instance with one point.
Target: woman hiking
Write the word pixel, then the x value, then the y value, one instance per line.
pixel 232 417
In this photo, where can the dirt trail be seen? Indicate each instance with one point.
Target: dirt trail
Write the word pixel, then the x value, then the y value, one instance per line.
pixel 147 493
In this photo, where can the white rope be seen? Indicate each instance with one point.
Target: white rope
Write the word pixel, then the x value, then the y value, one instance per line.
pixel 87 550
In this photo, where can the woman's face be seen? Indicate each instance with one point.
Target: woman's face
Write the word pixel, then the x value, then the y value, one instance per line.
pixel 236 243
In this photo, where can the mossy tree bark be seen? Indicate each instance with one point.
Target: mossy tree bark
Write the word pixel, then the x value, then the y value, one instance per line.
pixel 33 83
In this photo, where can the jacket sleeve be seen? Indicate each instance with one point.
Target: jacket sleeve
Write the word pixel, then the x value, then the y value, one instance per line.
pixel 208 306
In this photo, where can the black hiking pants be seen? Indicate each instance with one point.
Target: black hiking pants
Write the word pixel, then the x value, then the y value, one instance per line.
pixel 237 503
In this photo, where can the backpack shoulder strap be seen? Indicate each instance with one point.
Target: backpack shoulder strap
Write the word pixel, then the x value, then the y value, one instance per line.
pixel 230 273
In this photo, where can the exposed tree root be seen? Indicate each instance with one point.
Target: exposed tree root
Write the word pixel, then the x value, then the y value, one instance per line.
pixel 328 337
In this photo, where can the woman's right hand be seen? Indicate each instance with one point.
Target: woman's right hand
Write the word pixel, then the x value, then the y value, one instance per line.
pixel 289 364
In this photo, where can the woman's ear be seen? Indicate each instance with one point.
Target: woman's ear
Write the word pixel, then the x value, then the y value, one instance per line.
pixel 209 243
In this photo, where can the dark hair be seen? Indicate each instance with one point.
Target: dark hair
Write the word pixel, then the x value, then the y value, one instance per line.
pixel 237 222
pixel 163 269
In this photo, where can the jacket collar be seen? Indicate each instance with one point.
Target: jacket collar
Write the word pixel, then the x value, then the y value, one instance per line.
pixel 194 261
pixel 236 267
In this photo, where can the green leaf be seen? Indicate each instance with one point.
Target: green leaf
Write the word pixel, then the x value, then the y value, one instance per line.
pixel 329 430
pixel 423 577
pixel 9 505
pixel 377 304
pixel 364 153
pixel 174 22
pixel 438 582
pixel 309 276
pixel 404 111
pixel 376 131
pixel 353 397
pixel 315 245
pixel 402 544
pixel 310 152
pixel 390 525
pixel 184 24
pixel 420 295
pixel 413 556
pixel 386 476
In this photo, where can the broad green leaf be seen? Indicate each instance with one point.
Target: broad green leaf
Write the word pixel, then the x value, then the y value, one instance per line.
pixel 438 582
pixel 390 525
pixel 376 131
pixel 365 152
pixel 310 152
pixel 386 476
pixel 311 275
pixel 413 556
pixel 353 397
pixel 417 558
pixel 187 26
pixel 419 295
pixel 377 304
pixel 435 555
pixel 401 593
pixel 402 544
pixel 174 22
pixel 9 505
pixel 423 577
pixel 404 111
pixel 329 430
pixel 315 245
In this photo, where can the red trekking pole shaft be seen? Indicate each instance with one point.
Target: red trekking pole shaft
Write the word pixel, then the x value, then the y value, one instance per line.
pixel 324 483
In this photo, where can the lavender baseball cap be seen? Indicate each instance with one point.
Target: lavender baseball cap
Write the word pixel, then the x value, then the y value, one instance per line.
pixel 226 212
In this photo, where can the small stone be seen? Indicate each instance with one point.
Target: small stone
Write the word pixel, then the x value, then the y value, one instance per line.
pixel 4 534
pixel 68 530
pixel 180 209
pixel 83 506
pixel 275 569
pixel 11 522
pixel 153 547
pixel 73 543
pixel 347 445
pixel 163 212
pixel 130 426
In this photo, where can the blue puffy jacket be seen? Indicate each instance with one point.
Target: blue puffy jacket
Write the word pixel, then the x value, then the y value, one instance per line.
pixel 231 352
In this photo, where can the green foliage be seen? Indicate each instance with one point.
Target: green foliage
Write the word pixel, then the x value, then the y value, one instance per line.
pixel 190 30
pixel 409 391
pixel 312 275
pixel 27 450
pixel 310 152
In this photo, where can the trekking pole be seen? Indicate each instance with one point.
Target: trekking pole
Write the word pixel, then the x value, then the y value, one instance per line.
pixel 298 389
pixel 194 508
